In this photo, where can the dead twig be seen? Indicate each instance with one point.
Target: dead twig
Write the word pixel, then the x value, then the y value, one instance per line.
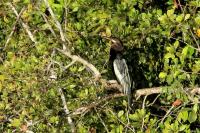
pixel 150 104
pixel 197 43
pixel 168 113
pixel 66 110
pixel 14 27
pixel 103 123
pixel 58 25
pixel 49 26
pixel 125 125
pixel 25 26
pixel 53 78
pixel 93 105
pixel 143 107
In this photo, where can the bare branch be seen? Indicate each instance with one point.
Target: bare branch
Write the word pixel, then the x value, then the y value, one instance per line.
pixel 130 127
pixel 50 27
pixel 25 26
pixel 147 91
pixel 197 43
pixel 85 109
pixel 168 112
pixel 103 123
pixel 67 110
pixel 53 77
pixel 58 25
pixel 157 90
pixel 141 92
pixel 14 27
pixel 95 71
pixel 154 100
pixel 195 91
pixel 70 64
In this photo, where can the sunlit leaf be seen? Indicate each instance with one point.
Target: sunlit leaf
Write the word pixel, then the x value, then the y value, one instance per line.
pixel 192 116
pixel 162 75
pixel 16 122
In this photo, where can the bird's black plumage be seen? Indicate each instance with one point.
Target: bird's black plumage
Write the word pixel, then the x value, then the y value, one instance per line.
pixel 120 67
pixel 122 74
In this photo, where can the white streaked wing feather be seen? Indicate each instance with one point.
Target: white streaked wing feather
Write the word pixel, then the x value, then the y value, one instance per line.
pixel 122 74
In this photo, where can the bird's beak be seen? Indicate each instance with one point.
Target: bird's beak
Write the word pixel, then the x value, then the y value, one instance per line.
pixel 105 37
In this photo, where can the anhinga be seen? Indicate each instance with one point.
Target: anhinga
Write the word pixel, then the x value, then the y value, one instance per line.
pixel 120 67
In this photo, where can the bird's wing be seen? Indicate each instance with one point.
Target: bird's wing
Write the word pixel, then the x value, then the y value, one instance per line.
pixel 122 74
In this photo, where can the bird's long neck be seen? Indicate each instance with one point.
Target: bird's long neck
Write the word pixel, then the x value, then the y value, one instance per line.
pixel 115 55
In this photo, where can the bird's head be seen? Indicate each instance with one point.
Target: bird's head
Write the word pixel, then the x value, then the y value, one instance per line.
pixel 116 44
pixel 116 47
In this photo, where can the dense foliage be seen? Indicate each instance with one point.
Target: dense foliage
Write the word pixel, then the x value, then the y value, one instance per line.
pixel 161 39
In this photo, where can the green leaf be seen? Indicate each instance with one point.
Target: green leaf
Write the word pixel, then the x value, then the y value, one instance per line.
pixel 176 44
pixel 182 127
pixel 163 19
pixel 72 86
pixel 54 119
pixel 134 117
pixel 2 77
pixel 80 69
pixel 142 112
pixel 170 12
pixel 10 55
pixel 183 115
pixel 170 79
pixel 120 129
pixel 176 73
pixel 190 51
pixel 192 116
pixel 162 75
pixel 75 9
pixel 149 40
pixel 187 16
pixel 78 26
pixel 195 108
pixel 170 49
pixel 197 20
pixel 179 18
pixel 169 55
pixel 120 113
pixel 185 51
pixel 16 122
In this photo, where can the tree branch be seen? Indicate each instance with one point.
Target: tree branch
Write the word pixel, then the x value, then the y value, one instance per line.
pixel 139 93
pixel 14 26
pixel 85 109
pixel 58 25
pixel 66 110
pixel 94 70
pixel 25 26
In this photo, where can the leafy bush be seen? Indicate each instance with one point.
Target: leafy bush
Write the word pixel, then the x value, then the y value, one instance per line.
pixel 161 39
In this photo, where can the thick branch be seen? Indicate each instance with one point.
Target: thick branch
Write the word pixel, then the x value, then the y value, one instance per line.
pixel 147 91
pixel 94 70
pixel 157 90
pixel 141 92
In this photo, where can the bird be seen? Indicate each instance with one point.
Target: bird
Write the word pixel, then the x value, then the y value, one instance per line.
pixel 120 66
